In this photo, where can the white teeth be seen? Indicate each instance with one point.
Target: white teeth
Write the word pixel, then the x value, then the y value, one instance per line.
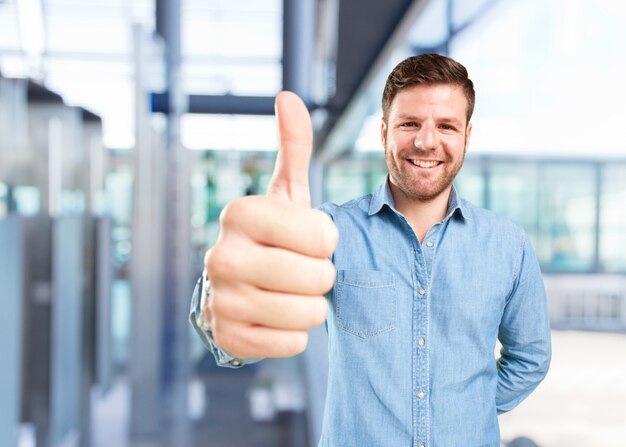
pixel 425 164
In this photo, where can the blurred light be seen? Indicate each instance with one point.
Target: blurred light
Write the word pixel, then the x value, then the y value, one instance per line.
pixel 30 16
pixel 369 138
pixel 229 132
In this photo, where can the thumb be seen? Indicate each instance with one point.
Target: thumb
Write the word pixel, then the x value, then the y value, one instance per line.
pixel 295 134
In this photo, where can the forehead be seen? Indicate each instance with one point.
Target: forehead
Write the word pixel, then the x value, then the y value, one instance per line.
pixel 447 99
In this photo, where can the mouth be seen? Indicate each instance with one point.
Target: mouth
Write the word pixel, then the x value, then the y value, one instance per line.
pixel 425 164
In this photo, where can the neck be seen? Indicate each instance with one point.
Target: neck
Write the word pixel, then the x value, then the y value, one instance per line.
pixel 421 214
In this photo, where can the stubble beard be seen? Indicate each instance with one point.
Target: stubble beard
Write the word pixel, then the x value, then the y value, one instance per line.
pixel 417 189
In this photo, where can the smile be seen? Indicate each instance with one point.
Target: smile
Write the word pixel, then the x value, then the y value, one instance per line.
pixel 425 164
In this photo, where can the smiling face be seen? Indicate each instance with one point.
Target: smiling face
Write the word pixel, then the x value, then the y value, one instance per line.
pixel 425 137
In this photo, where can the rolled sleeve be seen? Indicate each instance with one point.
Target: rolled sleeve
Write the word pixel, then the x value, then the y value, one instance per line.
pixel 222 358
pixel 524 334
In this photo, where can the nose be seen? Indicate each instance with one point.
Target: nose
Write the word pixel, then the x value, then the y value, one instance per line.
pixel 427 138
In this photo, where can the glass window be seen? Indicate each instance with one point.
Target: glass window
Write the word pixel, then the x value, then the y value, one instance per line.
pixel 9 31
pixel 470 182
pixel 351 178
pixel 613 219
pixel 513 192
pixel 218 57
pixel 4 200
pixel 567 216
pixel 228 132
pixel 27 200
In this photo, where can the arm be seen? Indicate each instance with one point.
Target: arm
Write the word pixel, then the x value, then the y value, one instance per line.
pixel 524 333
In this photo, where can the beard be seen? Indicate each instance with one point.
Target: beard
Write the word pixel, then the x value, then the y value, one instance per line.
pixel 423 188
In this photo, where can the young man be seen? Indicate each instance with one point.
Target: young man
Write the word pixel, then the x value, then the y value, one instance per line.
pixel 419 283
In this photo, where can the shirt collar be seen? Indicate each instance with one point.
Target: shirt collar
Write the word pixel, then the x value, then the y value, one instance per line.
pixel 382 196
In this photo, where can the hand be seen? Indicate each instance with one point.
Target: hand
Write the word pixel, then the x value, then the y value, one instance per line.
pixel 269 268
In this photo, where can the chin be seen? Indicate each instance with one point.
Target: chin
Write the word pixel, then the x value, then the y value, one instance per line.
pixel 426 194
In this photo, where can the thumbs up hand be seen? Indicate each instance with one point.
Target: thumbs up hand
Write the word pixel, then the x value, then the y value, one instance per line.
pixel 269 268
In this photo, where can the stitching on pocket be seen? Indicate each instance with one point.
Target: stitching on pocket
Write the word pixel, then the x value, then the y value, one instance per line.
pixel 388 282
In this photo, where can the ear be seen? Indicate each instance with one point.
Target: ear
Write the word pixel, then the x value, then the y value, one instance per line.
pixel 383 131
pixel 468 133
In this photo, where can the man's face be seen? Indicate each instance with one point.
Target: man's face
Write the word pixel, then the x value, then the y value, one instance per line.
pixel 425 138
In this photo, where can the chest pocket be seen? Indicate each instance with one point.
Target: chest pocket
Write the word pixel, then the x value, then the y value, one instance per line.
pixel 365 302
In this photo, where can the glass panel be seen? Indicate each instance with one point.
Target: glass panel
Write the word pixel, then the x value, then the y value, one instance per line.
pixel 464 11
pixel 76 33
pixel 470 183
pixel 12 278
pixel 227 132
pixel 351 178
pixel 219 177
pixel 567 216
pixel 245 77
pixel 513 192
pixel 524 59
pixel 4 200
pixel 431 28
pixel 218 56
pixel 9 32
pixel 613 219
pixel 26 200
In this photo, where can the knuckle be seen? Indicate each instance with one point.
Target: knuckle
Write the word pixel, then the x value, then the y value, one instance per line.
pixel 323 311
pixel 231 213
pixel 221 335
pixel 217 304
pixel 230 306
pixel 298 343
pixel 220 262
pixel 329 236
pixel 226 338
pixel 317 315
pixel 327 276
pixel 237 211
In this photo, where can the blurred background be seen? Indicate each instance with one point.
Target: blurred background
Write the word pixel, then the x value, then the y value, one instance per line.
pixel 125 127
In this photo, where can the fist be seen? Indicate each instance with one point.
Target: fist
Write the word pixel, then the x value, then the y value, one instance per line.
pixel 269 268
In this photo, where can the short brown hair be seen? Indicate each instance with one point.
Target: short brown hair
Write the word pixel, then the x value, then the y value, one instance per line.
pixel 428 69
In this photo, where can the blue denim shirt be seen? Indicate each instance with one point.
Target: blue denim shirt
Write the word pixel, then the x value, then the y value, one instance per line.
pixel 412 327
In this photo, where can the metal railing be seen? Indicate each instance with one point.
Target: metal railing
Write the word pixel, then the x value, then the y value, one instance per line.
pixel 587 302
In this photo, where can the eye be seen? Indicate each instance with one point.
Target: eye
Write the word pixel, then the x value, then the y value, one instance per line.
pixel 447 127
pixel 409 124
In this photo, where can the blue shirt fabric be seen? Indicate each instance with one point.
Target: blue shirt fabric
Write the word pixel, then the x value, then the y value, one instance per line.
pixel 222 358
pixel 412 327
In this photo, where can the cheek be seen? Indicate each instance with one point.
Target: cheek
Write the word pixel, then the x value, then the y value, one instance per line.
pixel 455 147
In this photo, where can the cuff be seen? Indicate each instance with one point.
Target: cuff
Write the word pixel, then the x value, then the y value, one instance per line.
pixel 222 357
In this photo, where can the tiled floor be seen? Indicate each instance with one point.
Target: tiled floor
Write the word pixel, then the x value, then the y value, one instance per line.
pixel 581 403
pixel 227 421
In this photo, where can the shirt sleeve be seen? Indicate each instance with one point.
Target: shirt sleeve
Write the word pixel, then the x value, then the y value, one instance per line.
pixel 524 334
pixel 222 358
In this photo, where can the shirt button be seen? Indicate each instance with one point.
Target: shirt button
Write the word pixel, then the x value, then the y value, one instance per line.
pixel 421 444
pixel 429 243
pixel 235 362
pixel 421 341
pixel 420 394
pixel 422 292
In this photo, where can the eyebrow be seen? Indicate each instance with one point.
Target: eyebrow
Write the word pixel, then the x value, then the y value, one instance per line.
pixel 451 121
pixel 448 120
